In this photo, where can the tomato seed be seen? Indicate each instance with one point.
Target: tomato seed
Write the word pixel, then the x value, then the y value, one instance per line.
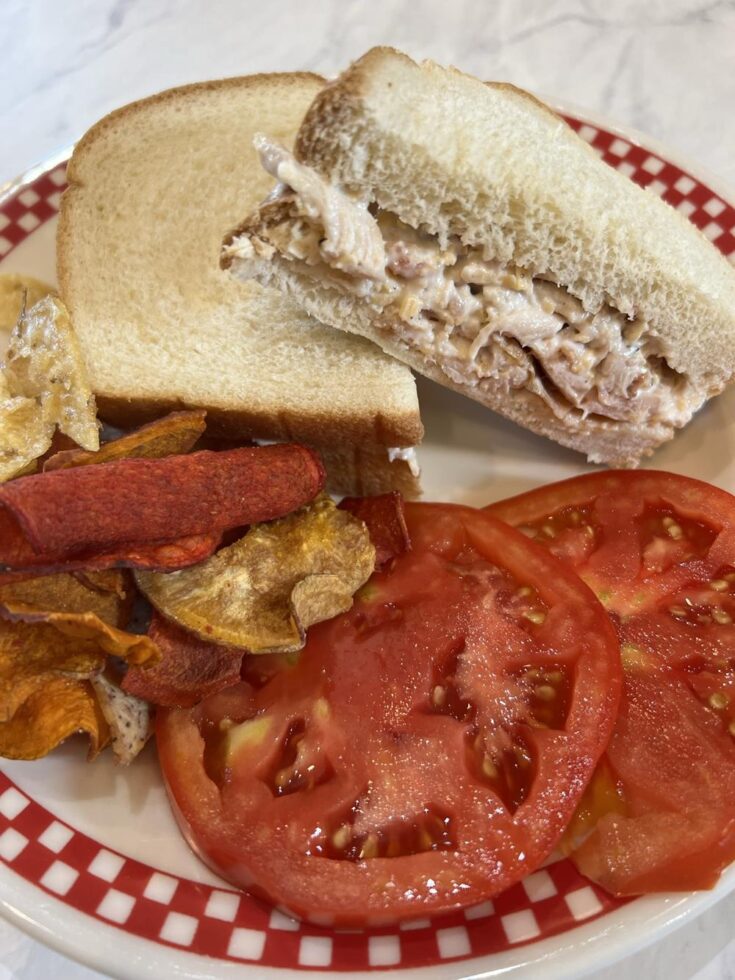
pixel 718 701
pixel 678 612
pixel 718 584
pixel 439 695
pixel 545 692
pixel 341 837
pixel 489 768
pixel 369 848
pixel 674 531
pixel 549 531
pixel 731 728
pixel 525 590
pixel 535 616
pixel 721 617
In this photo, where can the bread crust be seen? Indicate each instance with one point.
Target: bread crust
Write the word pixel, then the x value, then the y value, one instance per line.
pixel 614 243
pixel 348 430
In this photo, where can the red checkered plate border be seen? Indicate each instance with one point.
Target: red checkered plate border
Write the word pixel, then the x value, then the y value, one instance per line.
pixel 131 919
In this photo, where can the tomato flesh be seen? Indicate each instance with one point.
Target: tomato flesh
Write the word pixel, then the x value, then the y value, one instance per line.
pixel 424 751
pixel 659 552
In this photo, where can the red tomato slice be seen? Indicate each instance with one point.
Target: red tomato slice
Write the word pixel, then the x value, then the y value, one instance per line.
pixel 659 551
pixel 425 750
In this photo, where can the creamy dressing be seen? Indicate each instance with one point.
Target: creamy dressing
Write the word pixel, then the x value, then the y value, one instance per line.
pixel 408 455
pixel 481 321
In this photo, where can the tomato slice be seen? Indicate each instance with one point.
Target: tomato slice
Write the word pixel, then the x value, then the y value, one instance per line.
pixel 659 552
pixel 425 750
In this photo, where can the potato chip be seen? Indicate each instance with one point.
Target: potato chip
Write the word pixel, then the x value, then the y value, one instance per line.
pixel 43 384
pixel 173 434
pixel 51 714
pixel 264 591
pixel 44 363
pixel 128 718
pixel 17 292
pixel 24 435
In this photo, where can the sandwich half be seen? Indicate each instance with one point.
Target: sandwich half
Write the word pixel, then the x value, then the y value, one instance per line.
pixel 468 231
pixel 151 189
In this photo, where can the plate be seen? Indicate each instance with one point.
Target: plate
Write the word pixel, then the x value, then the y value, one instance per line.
pixel 94 864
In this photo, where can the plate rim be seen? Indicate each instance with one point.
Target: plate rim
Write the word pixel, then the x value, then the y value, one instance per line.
pixel 564 956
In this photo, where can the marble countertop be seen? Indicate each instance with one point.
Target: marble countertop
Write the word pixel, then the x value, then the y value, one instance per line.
pixel 664 67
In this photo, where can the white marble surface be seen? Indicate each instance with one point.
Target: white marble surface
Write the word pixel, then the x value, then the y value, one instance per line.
pixel 662 66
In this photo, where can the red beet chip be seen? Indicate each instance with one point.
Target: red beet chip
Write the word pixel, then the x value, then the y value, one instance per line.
pixel 385 522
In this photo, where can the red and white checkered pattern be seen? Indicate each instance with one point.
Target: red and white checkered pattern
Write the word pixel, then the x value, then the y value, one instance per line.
pixel 707 210
pixel 227 925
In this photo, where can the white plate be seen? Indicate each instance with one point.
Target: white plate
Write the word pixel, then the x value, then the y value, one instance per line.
pixel 94 862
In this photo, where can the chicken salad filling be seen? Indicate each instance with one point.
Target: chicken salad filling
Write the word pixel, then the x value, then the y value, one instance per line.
pixel 480 320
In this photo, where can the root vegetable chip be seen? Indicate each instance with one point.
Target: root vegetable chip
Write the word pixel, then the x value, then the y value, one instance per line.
pixel 84 627
pixel 173 434
pixel 17 292
pixel 44 362
pixel 113 581
pixel 33 654
pixel 66 593
pixel 56 624
pixel 24 435
pixel 264 591
pixel 128 718
pixel 51 714
pixel 122 508
pixel 163 556
pixel 190 669
pixel 43 385
pixel 385 520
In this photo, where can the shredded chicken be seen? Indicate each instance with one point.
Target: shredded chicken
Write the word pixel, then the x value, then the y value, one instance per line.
pixel 352 241
pixel 480 320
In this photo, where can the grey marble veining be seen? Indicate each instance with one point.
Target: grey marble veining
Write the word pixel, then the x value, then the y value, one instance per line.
pixel 666 67
pixel 663 66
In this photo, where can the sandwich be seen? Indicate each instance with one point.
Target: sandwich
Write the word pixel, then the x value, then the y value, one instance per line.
pixel 151 189
pixel 470 233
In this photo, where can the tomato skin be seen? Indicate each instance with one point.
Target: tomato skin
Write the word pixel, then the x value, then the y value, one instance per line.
pixel 672 753
pixel 382 760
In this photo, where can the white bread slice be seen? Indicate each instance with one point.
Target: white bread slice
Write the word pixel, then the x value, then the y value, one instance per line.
pixel 153 186
pixel 494 167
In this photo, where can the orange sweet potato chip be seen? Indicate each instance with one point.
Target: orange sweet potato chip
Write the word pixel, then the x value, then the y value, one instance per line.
pixel 64 592
pixel 171 435
pixel 82 627
pixel 49 715
pixel 56 624
pixel 263 592
pixel 32 654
